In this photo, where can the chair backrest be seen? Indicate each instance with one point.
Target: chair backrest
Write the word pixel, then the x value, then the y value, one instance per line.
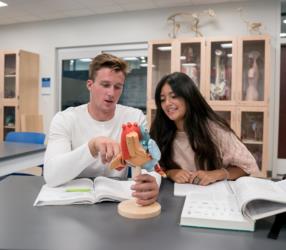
pixel 31 123
pixel 26 137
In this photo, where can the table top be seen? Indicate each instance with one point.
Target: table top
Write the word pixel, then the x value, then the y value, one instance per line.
pixel 10 150
pixel 99 226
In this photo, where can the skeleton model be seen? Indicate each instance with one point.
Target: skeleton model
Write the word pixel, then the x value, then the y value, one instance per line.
pixel 253 77
pixel 253 27
pixel 178 19
pixel 218 89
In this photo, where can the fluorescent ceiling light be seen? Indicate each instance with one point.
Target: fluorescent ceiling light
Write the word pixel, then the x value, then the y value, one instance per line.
pixel 189 64
pixel 130 58
pixel 226 45
pixel 143 64
pixel 2 4
pixel 284 21
pixel 164 48
pixel 146 65
pixel 282 34
pixel 183 58
pixel 85 59
pixel 229 55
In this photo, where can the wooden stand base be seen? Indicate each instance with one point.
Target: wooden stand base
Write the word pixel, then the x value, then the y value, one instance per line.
pixel 130 209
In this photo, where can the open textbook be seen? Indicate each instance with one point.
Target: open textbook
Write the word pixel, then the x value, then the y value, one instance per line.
pixel 88 191
pixel 85 191
pixel 234 205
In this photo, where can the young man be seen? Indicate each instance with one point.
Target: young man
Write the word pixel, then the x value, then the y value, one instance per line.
pixel 84 139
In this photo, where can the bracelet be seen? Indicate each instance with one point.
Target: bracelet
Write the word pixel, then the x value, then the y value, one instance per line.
pixel 226 173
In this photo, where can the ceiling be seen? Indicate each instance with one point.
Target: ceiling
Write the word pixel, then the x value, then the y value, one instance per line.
pixel 21 11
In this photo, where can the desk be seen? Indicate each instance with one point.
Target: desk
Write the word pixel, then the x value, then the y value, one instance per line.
pixel 91 227
pixel 19 156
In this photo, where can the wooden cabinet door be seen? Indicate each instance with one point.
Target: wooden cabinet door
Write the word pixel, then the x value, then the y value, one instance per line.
pixel 253 131
pixel 191 60
pixel 253 70
pixel 221 64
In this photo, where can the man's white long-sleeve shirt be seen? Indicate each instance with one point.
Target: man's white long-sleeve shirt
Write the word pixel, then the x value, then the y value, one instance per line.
pixel 68 155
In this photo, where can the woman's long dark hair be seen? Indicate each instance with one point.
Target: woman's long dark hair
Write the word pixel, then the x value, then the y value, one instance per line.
pixel 196 124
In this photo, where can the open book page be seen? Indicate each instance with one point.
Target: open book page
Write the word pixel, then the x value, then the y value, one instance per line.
pixel 259 198
pixel 66 194
pixel 212 210
pixel 212 206
pixel 220 187
pixel 282 185
pixel 107 189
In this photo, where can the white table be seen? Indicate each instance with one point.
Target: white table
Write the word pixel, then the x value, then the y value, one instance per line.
pixel 19 156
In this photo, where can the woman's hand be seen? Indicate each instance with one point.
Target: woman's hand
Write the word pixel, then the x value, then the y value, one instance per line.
pixel 179 175
pixel 204 178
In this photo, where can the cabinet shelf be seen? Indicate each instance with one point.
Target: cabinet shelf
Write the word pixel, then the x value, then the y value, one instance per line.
pixel 9 126
pixel 247 141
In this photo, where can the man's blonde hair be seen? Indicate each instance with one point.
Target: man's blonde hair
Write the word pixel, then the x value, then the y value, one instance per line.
pixel 106 61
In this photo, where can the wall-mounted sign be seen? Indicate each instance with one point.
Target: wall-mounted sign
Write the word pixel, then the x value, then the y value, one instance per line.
pixel 46 86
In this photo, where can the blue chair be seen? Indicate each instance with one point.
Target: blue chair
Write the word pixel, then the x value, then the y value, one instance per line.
pixel 26 137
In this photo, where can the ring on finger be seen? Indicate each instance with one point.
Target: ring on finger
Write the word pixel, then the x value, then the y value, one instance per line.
pixel 196 180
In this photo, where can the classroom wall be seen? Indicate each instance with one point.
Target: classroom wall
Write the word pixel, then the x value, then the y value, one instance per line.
pixel 139 26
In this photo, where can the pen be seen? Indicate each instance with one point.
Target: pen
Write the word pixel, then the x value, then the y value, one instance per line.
pixel 78 190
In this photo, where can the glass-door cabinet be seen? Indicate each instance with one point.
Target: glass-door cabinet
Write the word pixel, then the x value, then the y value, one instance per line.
pixel 228 114
pixel 160 58
pixel 253 73
pixel 221 70
pixel 161 55
pixel 9 112
pixel 192 60
pixel 9 76
pixel 253 132
pixel 19 88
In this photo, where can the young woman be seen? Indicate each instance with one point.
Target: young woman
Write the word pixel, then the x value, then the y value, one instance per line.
pixel 197 145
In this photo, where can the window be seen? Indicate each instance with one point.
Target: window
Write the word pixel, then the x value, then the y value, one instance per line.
pixel 74 74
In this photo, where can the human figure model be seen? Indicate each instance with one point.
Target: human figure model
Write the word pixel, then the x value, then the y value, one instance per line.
pixel 253 77
pixel 218 89
pixel 191 67
pixel 138 151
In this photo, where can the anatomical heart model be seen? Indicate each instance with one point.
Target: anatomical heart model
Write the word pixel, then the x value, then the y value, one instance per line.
pixel 138 151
